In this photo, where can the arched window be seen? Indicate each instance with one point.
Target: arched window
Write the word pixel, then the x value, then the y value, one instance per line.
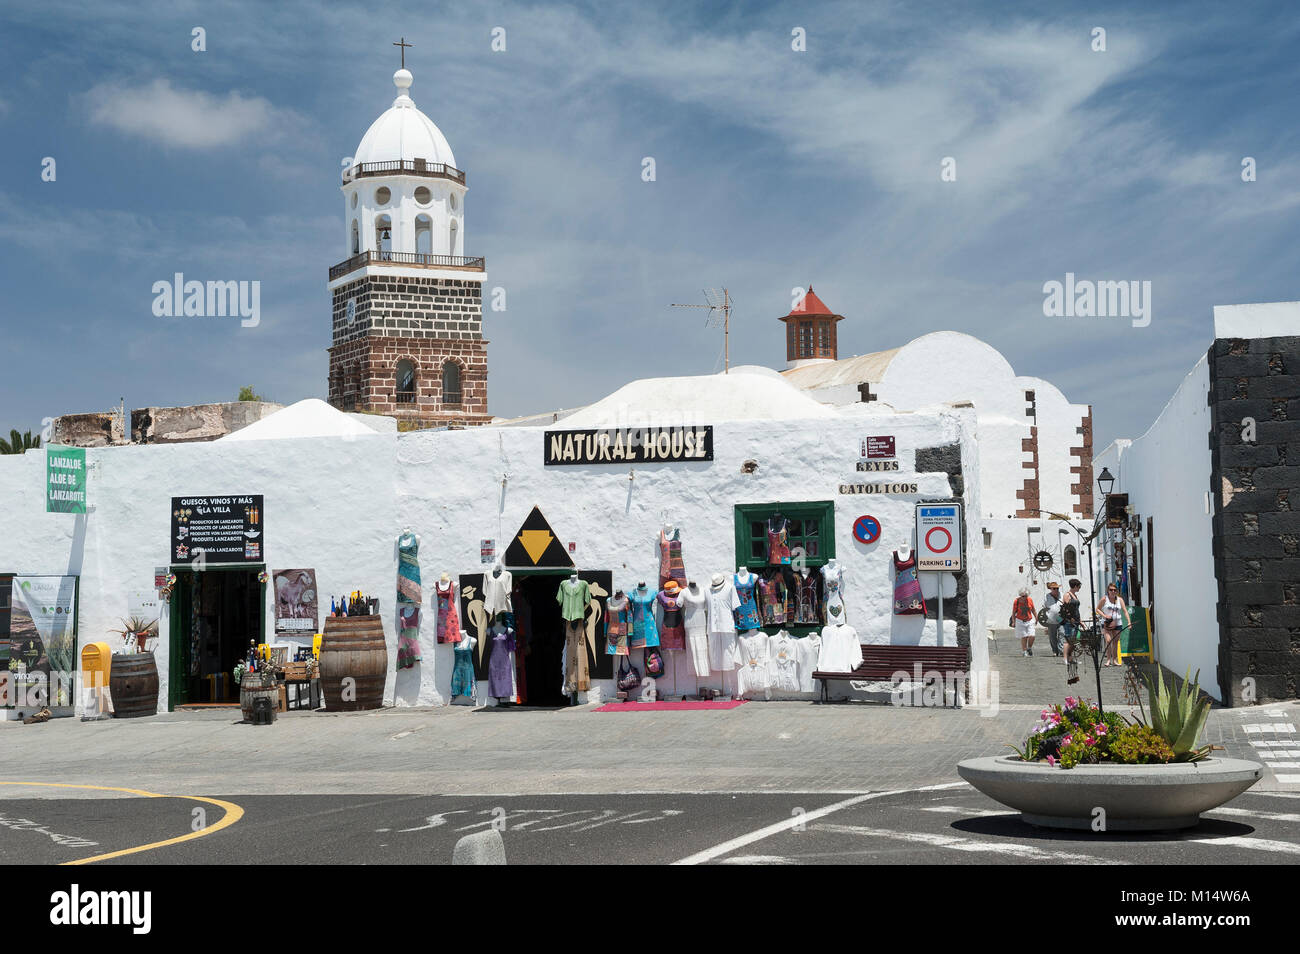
pixel 423 235
pixel 405 382
pixel 1071 560
pixel 356 238
pixel 384 237
pixel 451 396
pixel 451 236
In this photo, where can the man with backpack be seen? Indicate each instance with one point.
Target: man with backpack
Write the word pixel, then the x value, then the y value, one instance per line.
pixel 1070 623
pixel 1050 618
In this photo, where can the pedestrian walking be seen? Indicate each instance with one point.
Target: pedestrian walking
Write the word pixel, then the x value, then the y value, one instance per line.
pixel 1022 618
pixel 1050 617
pixel 1070 623
pixel 1115 619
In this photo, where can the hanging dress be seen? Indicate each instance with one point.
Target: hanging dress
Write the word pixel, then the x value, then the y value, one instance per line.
pixel 783 662
pixel 778 550
pixel 771 601
pixel 723 603
pixel 463 682
pixel 833 580
pixel 448 614
pixel 409 597
pixel 695 614
pixel 617 619
pixel 501 664
pixel 806 609
pixel 907 587
pixel 670 559
pixel 752 663
pixel 672 634
pixel 644 633
pixel 496 593
pixel 747 612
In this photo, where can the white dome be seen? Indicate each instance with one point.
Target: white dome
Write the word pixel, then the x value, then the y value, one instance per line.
pixel 403 132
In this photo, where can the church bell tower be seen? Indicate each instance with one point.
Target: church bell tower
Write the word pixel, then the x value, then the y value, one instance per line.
pixel 407 302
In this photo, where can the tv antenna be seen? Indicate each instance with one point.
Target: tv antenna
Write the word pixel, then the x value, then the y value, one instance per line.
pixel 719 306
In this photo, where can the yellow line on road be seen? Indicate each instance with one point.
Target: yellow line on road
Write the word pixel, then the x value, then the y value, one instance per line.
pixel 233 813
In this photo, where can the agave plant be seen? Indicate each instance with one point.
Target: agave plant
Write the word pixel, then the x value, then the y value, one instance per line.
pixel 1180 716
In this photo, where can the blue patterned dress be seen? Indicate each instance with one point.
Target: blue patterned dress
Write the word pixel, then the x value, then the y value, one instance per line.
pixel 463 682
pixel 747 614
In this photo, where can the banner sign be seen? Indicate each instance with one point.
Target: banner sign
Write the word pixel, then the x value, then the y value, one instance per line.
pixel 487 551
pixel 65 479
pixel 296 607
pixel 217 529
pixel 42 641
pixel 939 537
pixel 628 445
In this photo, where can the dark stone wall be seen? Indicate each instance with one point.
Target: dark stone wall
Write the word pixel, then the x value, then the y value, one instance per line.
pixel 1255 486
pixel 946 459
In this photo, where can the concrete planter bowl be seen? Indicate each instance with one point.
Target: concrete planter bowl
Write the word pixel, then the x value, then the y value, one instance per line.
pixel 1135 797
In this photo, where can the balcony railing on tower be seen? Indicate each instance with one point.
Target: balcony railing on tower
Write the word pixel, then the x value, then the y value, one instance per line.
pixel 404 167
pixel 408 258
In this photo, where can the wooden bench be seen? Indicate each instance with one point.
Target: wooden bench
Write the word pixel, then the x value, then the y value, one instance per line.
pixel 880 663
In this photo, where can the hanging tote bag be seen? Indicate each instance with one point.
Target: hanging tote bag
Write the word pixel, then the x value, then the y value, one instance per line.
pixel 629 677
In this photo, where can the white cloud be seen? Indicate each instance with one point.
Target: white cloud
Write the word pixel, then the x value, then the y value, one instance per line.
pixel 189 119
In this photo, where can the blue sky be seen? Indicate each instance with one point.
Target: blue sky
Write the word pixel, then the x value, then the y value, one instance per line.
pixel 775 168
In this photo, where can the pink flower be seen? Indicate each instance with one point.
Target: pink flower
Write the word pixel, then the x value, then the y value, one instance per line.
pixel 1100 729
pixel 1071 702
pixel 1051 761
pixel 1090 740
pixel 1067 740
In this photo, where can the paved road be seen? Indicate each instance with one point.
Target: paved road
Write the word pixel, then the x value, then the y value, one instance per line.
pixel 948 825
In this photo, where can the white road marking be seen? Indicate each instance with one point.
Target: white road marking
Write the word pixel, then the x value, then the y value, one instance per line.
pixel 26 824
pixel 966 844
pixel 970 812
pixel 801 819
pixel 1281 728
pixel 1270 816
pixel 756 860
pixel 1244 841
pixel 1276 764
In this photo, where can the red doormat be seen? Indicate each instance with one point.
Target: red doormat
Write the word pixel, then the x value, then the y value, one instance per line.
pixel 668 706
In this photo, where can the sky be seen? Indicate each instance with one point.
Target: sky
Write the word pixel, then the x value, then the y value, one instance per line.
pixel 775 167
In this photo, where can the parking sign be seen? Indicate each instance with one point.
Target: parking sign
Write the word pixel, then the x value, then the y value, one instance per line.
pixel 939 537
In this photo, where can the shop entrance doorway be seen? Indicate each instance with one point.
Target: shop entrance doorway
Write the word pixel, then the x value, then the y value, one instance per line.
pixel 537 615
pixel 215 613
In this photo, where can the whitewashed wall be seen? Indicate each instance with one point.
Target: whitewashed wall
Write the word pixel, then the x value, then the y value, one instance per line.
pixel 328 503
pixel 450 491
pixel 338 506
pixel 1166 474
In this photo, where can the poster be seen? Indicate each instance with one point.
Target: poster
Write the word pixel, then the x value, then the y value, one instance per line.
pixel 42 639
pixel 487 551
pixel 877 448
pixel 65 479
pixel 217 529
pixel 297 609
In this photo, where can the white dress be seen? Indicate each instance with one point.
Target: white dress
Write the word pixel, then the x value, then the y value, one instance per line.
pixel 752 659
pixel 840 649
pixel 783 662
pixel 723 602
pixel 496 593
pixel 695 617
pixel 806 651
pixel 833 587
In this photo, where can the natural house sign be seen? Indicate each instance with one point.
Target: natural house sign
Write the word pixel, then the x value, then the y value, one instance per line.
pixel 628 445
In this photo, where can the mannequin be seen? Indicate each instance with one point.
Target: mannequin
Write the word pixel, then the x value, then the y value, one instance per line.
pixel 446 596
pixel 671 566
pixel 833 585
pixel 463 681
pixel 840 650
pixel 574 597
pixel 501 664
pixel 497 591
pixel 747 612
pixel 743 573
pixel 496 567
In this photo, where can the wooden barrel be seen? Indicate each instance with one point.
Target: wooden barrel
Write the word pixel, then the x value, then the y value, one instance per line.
pixel 353 663
pixel 254 686
pixel 133 682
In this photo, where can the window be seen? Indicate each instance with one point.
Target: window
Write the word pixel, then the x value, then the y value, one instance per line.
pixel 1071 560
pixel 424 235
pixel 384 237
pixel 452 200
pixel 451 238
pixel 405 382
pixel 382 195
pixel 451 396
pixel 810 529
pixel 356 238
pixel 805 341
pixel 423 195
pixel 826 339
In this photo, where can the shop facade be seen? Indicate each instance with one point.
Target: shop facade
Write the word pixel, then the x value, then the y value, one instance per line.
pixel 508 497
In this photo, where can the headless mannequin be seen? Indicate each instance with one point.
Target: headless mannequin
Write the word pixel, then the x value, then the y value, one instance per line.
pixel 496 568
pixel 694 588
pixel 904 552
pixel 742 573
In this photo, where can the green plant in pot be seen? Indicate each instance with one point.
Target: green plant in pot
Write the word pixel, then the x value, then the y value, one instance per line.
pixel 1178 717
pixel 138 629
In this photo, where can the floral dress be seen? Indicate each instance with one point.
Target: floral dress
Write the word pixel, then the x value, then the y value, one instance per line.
pixel 747 613
pixel 448 615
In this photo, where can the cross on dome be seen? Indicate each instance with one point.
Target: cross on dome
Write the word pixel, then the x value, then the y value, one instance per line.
pixel 405 46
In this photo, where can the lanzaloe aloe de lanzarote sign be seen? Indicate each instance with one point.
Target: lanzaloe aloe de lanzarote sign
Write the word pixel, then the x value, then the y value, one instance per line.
pixel 65 479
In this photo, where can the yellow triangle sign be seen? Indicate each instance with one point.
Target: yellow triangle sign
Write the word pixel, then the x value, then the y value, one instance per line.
pixel 535 542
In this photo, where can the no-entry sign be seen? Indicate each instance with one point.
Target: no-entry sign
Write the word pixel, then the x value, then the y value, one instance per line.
pixel 938 537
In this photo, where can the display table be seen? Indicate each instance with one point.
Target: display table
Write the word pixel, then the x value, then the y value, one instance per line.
pixel 296 687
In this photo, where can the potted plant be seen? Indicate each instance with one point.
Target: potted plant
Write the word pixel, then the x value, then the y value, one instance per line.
pixel 1081 768
pixel 136 632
